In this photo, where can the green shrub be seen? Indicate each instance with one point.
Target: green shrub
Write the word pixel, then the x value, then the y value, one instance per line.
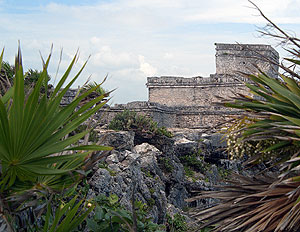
pixel 188 171
pixel 194 161
pixel 30 78
pixel 147 173
pixel 110 216
pixel 93 135
pixel 176 223
pixel 141 124
pixel 256 150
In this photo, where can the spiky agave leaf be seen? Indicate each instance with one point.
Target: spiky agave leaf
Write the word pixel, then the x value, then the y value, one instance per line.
pixel 33 129
pixel 275 112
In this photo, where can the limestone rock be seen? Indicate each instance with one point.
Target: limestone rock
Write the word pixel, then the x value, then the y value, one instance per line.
pixel 156 175
pixel 185 146
pixel 120 140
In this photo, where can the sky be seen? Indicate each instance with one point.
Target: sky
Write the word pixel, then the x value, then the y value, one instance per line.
pixel 129 40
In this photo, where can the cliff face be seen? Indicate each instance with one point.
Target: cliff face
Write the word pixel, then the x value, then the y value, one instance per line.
pixel 162 178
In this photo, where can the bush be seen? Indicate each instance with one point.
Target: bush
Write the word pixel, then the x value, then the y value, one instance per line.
pixel 110 216
pixel 166 164
pixel 257 150
pixel 176 223
pixel 141 124
pixel 194 161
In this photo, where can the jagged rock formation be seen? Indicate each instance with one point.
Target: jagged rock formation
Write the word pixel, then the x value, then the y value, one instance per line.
pixel 161 179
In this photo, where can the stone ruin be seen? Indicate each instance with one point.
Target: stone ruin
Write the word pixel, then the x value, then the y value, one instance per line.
pixel 178 102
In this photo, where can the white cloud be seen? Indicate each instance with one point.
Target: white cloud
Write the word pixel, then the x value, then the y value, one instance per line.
pixel 106 57
pixel 133 39
pixel 168 56
pixel 233 11
pixel 146 68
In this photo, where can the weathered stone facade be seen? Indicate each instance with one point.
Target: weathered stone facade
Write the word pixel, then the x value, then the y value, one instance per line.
pixel 195 91
pixel 231 58
pixel 181 117
pixel 190 102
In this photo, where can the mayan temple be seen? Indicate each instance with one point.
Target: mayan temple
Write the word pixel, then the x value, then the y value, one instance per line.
pixel 190 102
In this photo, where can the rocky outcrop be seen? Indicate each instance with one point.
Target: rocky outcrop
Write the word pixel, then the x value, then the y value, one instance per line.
pixel 162 176
pixel 134 172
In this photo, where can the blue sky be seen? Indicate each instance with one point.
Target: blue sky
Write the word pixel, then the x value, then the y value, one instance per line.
pixel 132 39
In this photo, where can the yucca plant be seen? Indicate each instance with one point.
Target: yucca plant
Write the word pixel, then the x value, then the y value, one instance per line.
pixel 67 216
pixel 264 203
pixel 37 156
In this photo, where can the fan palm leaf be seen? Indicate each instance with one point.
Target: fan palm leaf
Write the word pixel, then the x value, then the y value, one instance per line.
pixel 33 128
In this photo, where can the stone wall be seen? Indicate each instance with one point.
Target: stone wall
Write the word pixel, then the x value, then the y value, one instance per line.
pixel 195 91
pixel 165 116
pixel 200 117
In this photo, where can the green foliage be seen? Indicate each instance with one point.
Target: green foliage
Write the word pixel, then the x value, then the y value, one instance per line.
pixel 33 128
pixel 7 70
pixel 67 216
pixel 189 172
pixel 258 149
pixel 93 135
pixel 177 223
pixel 61 213
pixel 152 190
pixel 31 77
pixel 141 124
pixel 194 161
pixel 37 156
pixel 99 90
pixel 147 173
pixel 110 216
pixel 274 113
pixel 151 202
pixel 105 166
pixel 224 173
pixel 6 77
pixel 166 164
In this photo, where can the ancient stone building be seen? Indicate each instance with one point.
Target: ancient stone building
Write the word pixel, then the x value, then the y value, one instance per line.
pixel 193 99
pixel 190 102
pixel 202 91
